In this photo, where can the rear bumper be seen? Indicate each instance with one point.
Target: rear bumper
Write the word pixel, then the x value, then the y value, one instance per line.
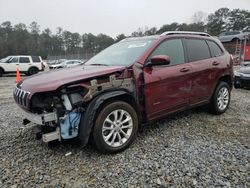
pixel 39 119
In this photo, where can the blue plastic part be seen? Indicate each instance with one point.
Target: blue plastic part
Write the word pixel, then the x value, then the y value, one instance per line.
pixel 70 124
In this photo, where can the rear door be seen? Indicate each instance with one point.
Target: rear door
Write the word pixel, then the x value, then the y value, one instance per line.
pixel 200 60
pixel 218 64
pixel 25 63
pixel 167 88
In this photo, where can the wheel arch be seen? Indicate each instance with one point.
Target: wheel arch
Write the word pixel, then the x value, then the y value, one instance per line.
pixel 235 38
pixel 1 68
pixel 93 108
pixel 224 78
pixel 228 79
pixel 33 67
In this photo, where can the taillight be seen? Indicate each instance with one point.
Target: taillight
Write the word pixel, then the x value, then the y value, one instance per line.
pixel 42 65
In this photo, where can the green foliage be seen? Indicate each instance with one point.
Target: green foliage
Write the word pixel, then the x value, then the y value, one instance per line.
pixel 20 39
pixel 224 19
pixel 120 37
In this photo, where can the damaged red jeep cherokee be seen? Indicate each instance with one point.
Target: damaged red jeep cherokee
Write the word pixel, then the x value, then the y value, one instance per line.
pixel 129 84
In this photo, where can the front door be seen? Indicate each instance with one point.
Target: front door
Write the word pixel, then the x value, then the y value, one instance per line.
pixel 167 88
pixel 11 65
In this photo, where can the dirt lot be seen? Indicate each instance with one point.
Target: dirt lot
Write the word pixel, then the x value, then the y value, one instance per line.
pixel 190 149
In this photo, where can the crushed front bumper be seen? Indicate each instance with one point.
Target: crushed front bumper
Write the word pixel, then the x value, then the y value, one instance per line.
pixel 39 119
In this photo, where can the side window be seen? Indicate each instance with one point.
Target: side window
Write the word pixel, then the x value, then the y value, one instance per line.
pixel 24 60
pixel 14 60
pixel 173 48
pixel 36 59
pixel 197 49
pixel 215 49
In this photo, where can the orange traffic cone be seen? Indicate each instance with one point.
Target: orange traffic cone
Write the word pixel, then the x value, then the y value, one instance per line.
pixel 18 76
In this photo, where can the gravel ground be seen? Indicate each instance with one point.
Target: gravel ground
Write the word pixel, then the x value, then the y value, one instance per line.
pixel 190 149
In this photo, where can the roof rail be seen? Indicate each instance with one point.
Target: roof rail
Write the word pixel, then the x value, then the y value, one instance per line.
pixel 185 33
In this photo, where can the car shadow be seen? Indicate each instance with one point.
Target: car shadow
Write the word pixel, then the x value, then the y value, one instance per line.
pixel 175 116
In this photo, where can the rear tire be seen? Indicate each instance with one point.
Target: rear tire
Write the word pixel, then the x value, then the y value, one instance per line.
pixel 220 100
pixel 115 127
pixel 33 70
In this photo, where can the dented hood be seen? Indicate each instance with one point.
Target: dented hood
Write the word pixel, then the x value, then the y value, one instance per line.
pixel 51 80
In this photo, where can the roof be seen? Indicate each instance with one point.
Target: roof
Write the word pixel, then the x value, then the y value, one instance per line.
pixel 185 33
pixel 141 38
pixel 154 37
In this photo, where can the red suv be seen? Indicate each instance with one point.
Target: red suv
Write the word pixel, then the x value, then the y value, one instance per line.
pixel 132 82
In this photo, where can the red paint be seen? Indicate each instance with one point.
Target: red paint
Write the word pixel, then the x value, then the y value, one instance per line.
pixel 159 90
pixel 52 80
pixel 247 53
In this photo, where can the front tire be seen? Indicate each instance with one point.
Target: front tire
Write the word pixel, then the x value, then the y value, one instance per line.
pixel 115 127
pixel 220 100
pixel 1 72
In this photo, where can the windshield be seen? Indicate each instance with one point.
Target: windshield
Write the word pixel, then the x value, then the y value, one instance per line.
pixel 122 53
pixel 4 60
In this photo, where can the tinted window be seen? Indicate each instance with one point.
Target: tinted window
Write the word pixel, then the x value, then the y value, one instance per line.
pixel 24 60
pixel 14 60
pixel 215 49
pixel 172 48
pixel 197 49
pixel 35 58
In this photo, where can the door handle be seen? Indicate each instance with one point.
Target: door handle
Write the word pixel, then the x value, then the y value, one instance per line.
pixel 17 64
pixel 216 63
pixel 184 69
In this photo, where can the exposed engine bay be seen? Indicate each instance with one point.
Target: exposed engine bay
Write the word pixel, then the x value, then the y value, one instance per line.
pixel 61 110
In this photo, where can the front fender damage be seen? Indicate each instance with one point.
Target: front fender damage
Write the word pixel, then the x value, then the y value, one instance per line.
pixel 76 114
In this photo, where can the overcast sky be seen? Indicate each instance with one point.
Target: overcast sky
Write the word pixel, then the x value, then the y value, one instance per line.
pixel 110 17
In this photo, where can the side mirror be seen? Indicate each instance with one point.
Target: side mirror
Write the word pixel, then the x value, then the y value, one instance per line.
pixel 158 60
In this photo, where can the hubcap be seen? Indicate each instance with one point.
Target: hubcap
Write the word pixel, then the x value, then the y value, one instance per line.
pixel 117 128
pixel 223 98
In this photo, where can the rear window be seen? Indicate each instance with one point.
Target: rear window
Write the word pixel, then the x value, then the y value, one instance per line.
pixel 215 49
pixel 35 58
pixel 197 49
pixel 24 60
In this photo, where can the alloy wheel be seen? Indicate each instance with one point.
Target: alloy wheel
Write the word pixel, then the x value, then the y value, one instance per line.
pixel 117 128
pixel 223 98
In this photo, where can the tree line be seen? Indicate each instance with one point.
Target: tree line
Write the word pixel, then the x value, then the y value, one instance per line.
pixel 23 39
